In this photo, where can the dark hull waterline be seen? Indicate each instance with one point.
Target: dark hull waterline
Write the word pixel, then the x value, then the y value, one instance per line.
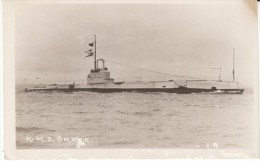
pixel 145 90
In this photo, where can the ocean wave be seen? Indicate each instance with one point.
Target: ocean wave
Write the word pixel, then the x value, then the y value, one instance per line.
pixel 141 113
pixel 84 92
pixel 123 142
pixel 32 129
pixel 156 109
pixel 81 112
pixel 121 112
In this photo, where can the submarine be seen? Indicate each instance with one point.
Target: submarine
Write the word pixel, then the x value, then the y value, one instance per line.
pixel 99 80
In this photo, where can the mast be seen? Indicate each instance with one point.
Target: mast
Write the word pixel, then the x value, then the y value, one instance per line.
pixel 219 74
pixel 95 57
pixel 25 85
pixel 233 64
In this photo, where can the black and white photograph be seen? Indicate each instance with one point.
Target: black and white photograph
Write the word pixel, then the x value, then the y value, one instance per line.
pixel 131 75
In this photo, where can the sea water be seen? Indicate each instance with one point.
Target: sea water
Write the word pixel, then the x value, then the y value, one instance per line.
pixel 133 120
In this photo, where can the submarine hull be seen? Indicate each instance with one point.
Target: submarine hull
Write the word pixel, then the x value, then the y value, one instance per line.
pixel 186 87
pixel 146 90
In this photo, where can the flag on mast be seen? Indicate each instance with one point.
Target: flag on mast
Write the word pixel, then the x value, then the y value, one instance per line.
pixel 91 44
pixel 90 50
pixel 90 54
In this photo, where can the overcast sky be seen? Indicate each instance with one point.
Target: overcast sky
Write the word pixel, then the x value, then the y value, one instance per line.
pixel 178 38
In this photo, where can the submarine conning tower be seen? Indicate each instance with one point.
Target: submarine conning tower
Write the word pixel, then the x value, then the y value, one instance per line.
pixel 99 75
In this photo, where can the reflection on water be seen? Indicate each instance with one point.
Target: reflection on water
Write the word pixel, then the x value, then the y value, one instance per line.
pixel 133 120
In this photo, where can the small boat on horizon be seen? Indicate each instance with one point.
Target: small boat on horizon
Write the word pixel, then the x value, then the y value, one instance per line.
pixel 99 80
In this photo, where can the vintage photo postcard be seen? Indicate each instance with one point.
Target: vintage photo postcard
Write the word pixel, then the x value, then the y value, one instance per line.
pixel 130 79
